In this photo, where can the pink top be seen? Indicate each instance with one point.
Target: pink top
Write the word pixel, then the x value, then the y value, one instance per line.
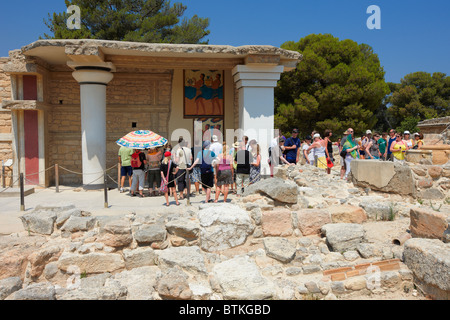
pixel 223 165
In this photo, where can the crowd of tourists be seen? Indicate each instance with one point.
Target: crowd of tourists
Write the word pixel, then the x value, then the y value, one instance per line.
pixel 318 151
pixel 212 167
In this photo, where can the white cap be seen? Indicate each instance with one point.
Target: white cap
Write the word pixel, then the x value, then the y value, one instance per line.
pixel 316 136
pixel 416 134
pixel 406 132
pixel 368 132
pixel 215 139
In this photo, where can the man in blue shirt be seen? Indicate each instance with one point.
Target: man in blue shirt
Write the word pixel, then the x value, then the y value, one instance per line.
pixel 292 146
pixel 392 138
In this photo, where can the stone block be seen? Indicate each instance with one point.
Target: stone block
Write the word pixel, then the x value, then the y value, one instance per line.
pixel 347 214
pixel 310 221
pixel 277 223
pixel 427 223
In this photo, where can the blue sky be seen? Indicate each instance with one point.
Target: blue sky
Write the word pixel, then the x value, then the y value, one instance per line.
pixel 414 35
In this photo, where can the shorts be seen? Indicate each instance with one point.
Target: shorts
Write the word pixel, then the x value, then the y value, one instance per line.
pixel 224 178
pixel 196 175
pixel 207 180
pixel 154 176
pixel 126 171
pixel 292 161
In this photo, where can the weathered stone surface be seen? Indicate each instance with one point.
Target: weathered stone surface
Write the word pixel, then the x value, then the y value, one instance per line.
pixel 280 249
pixel 76 224
pixel 92 262
pixel 310 221
pixel 419 170
pixel 35 291
pixel 139 257
pixel 239 279
pixel 40 222
pixel 140 282
pixel 277 223
pixel 435 171
pixel 112 290
pixel 432 193
pixel 378 210
pixel 184 228
pixel 39 259
pixel 173 285
pixel 343 236
pixel 429 260
pixel 347 214
pixel 150 233
pixel 369 250
pixel 427 223
pixel 9 286
pixel 187 258
pixel 116 234
pixel 355 283
pixel 277 189
pixel 63 216
pixel 223 227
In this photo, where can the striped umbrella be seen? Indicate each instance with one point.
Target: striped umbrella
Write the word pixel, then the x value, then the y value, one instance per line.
pixel 142 139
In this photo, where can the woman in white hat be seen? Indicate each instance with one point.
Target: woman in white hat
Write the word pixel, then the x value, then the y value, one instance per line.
pixel 408 140
pixel 320 150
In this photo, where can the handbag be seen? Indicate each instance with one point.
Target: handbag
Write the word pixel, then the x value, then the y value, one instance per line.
pixel 164 187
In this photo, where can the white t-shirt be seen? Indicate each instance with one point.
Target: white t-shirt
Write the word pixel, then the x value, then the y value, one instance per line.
pixel 216 147
pixel 182 158
pixel 311 152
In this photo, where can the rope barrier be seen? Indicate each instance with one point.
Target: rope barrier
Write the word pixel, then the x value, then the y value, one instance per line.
pixel 9 187
pixel 81 173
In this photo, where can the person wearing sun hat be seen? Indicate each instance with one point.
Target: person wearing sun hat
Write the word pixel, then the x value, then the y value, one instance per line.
pixel 408 140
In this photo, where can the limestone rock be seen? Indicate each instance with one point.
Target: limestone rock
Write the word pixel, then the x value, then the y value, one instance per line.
pixel 310 221
pixel 284 191
pixel 150 233
pixel 63 216
pixel 40 258
pixel 239 279
pixel 92 262
pixel 280 249
pixel 187 258
pixel 9 286
pixel 347 214
pixel 116 234
pixel 140 282
pixel 429 260
pixel 378 210
pixel 427 223
pixel 223 227
pixel 139 257
pixel 343 236
pixel 173 285
pixel 76 224
pixel 432 193
pixel 435 171
pixel 277 223
pixel 40 222
pixel 184 228
pixel 36 291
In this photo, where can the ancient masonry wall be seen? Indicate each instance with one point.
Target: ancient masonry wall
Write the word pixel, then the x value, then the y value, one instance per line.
pixel 5 117
pixel 140 99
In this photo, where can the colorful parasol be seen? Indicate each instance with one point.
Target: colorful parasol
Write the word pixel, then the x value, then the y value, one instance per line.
pixel 142 139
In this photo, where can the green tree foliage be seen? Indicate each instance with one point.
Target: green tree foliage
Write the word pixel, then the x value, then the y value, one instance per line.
pixel 419 96
pixel 338 84
pixel 152 21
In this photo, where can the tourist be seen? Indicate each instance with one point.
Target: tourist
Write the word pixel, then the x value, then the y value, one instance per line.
pixel 205 158
pixel 168 171
pixel 418 140
pixel 308 156
pixel 233 153
pixel 382 143
pixel 138 162
pixel 224 172
pixel 408 140
pixel 255 166
pixel 126 169
pixel 195 173
pixel 351 148
pixel 363 143
pixel 243 159
pixel 327 135
pixel 246 143
pixel 341 154
pixel 398 149
pixel 320 151
pixel 292 147
pixel 276 156
pixel 373 149
pixel 154 157
pixel 392 138
pixel 216 146
pixel 183 160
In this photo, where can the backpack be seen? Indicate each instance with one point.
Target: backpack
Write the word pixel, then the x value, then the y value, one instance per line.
pixel 136 160
pixel 205 167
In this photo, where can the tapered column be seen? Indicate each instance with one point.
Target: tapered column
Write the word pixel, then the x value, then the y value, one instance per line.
pixel 93 81
pixel 256 85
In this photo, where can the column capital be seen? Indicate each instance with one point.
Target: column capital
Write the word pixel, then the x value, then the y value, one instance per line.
pixel 256 76
pixel 95 73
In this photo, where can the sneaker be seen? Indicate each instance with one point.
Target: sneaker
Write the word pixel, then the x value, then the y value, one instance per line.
pixel 121 190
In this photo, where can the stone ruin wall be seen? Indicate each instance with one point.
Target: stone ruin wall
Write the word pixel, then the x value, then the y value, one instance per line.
pixel 5 117
pixel 144 99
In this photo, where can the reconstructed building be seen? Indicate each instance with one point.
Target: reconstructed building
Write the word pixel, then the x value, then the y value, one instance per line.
pixel 66 102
